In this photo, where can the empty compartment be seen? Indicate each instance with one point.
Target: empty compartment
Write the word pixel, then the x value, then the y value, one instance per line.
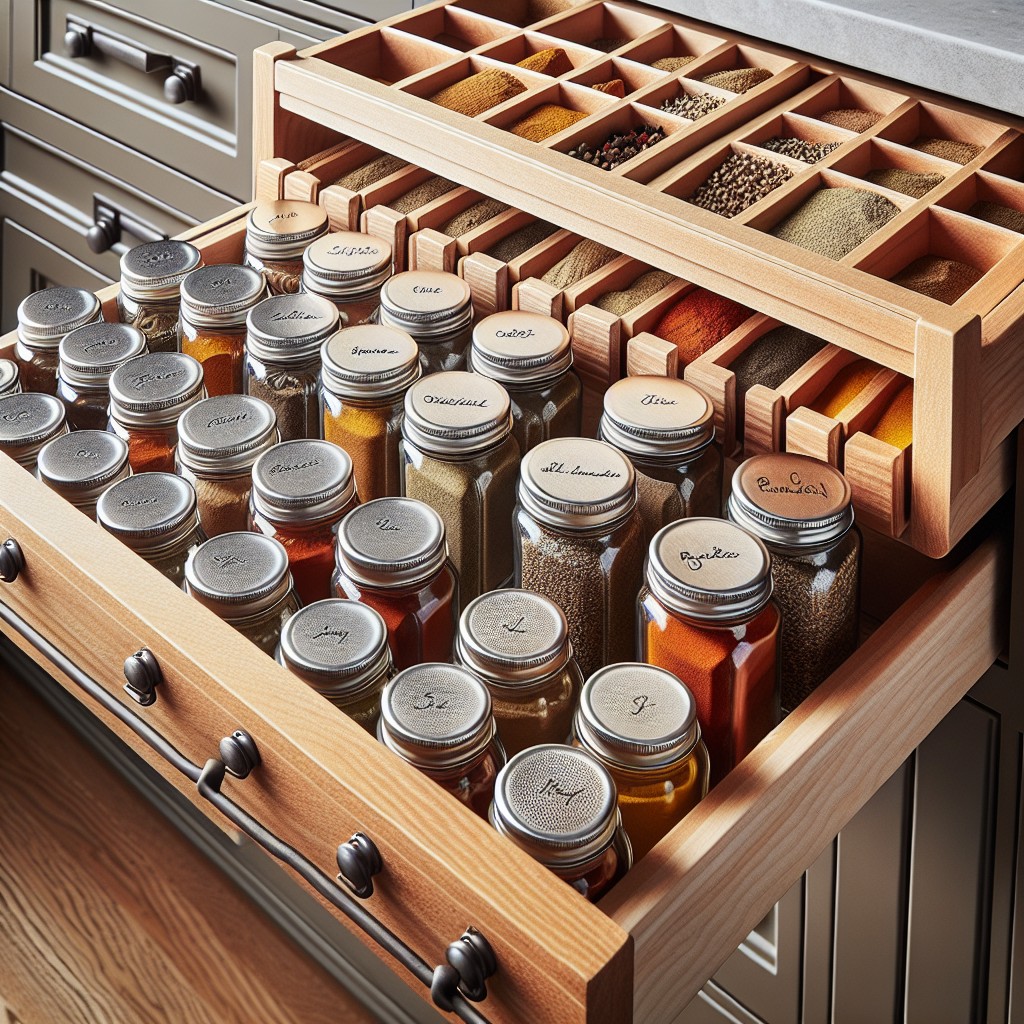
pixel 387 55
pixel 549 112
pixel 1009 161
pixel 455 27
pixel 602 27
pixel 798 137
pixel 517 12
pixel 738 68
pixel 672 47
pixel 525 46
pixel 943 132
pixel 474 85
pixel 894 167
pixel 603 74
pixel 990 198
pixel 851 105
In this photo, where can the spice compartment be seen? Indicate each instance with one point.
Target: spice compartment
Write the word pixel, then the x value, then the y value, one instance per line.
pixel 797 126
pixel 430 246
pixel 602 23
pixel 456 27
pixel 524 45
pixel 673 43
pixel 388 55
pixel 1008 162
pixel 930 121
pixel 518 13
pixel 577 98
pixel 992 190
pixel 906 171
pixel 845 93
pixel 441 77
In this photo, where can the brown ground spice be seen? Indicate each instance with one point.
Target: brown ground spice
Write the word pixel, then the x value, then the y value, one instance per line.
pixel 613 87
pixel 672 63
pixel 948 149
pixel 738 182
pixel 910 183
pixel 548 119
pixel 508 248
pixel 737 79
pixel 693 106
pixel 996 213
pixel 579 262
pixel 473 216
pixel 851 118
pixel 945 280
pixel 553 61
pixel 538 10
pixel 479 92
pixel 834 221
pixel 607 43
pixel 698 321
pixel 621 302
pixel 424 193
pixel 369 174
pixel 799 149
pixel 304 165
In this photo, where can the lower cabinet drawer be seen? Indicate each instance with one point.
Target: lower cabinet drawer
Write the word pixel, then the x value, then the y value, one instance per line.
pixel 649 946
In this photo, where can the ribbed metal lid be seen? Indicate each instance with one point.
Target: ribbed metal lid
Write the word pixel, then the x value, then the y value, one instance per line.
pixel 426 303
pixel 577 483
pixel 27 422
pixel 391 542
pixel 338 647
pixel 226 434
pixel 637 716
pixel 10 377
pixel 513 637
pixel 155 270
pixel 657 417
pixel 154 389
pixel 556 802
pixel 344 264
pixel 44 317
pixel 149 511
pixel 791 500
pixel 281 229
pixel 369 361
pixel 82 465
pixel 709 569
pixel 221 295
pixel 90 354
pixel 517 348
pixel 287 328
pixel 238 575
pixel 302 481
pixel 436 715
pixel 456 413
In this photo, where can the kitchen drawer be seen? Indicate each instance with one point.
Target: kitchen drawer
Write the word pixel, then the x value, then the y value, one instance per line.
pixel 667 927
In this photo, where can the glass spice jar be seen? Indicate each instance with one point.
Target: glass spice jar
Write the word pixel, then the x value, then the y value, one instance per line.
pixel 348 268
pixel 801 508
pixel 282 359
pixel 301 490
pixel 438 718
pixel 530 356
pixel 215 302
pixel 640 722
pixel 27 422
pixel 44 317
pixel 580 542
pixel 150 290
pixel 155 515
pixel 393 557
pixel 340 648
pixel 10 378
pixel 461 459
pixel 147 395
pixel 365 373
pixel 436 309
pixel 558 804
pixel 219 440
pixel 87 358
pixel 666 428
pixel 244 579
pixel 276 235
pixel 705 614
pixel 82 465
pixel 517 642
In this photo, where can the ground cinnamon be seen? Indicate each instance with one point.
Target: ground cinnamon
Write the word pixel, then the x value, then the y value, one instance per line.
pixel 548 119
pixel 479 92
pixel 698 321
pixel 553 61
pixel 613 87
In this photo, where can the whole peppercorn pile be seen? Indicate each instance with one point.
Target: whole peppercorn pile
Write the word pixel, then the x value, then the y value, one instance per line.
pixel 693 106
pixel 738 182
pixel 799 149
pixel 619 147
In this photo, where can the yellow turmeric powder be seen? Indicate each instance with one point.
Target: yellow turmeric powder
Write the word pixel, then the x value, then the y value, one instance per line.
pixel 845 386
pixel 896 425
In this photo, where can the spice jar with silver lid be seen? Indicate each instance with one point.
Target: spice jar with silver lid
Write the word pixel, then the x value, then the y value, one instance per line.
pixel 340 649
pixel 276 235
pixel 640 722
pixel 82 465
pixel 558 804
pixel 244 579
pixel 27 422
pixel 366 372
pixel 151 277
pixel 282 359
pixel 530 356
pixel 44 317
pixel 147 395
pixel 518 643
pixel 392 556
pixel 666 428
pixel 436 309
pixel 348 268
pixel 10 378
pixel 801 508
pixel 155 515
pixel 580 542
pixel 437 717
pixel 215 302
pixel 461 459
pixel 706 615
pixel 301 490
pixel 88 356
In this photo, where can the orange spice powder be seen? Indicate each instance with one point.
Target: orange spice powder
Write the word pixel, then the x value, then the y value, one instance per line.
pixel 845 386
pixel 698 321
pixel 896 425
pixel 613 87
pixel 553 61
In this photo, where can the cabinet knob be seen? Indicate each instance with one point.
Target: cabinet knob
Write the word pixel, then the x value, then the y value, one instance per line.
pixel 105 233
pixel 12 561
pixel 76 42
pixel 182 84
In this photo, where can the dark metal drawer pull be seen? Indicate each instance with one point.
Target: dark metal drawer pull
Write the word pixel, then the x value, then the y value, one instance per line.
pixel 108 223
pixel 471 960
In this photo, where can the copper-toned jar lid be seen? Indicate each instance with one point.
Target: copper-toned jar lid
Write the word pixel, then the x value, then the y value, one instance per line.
pixel 369 361
pixel 518 349
pixel 281 229
pixel 344 264
pixel 426 303
pixel 656 417
pixel 456 413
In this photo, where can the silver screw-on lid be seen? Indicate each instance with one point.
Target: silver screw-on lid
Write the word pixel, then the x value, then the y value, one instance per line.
pixel 82 465
pixel 369 361
pixel 338 647
pixel 577 483
pixel 456 413
pixel 90 354
pixel 154 389
pixel 791 500
pixel 517 348
pixel 44 317
pixel 709 569
pixel 226 434
pixel 436 715
pixel 290 328
pixel 150 511
pixel 513 637
pixel 657 417
pixel 426 303
pixel 556 802
pixel 637 716
pixel 10 377
pixel 155 270
pixel 282 228
pixel 27 422
pixel 302 481
pixel 345 264
pixel 221 295
pixel 238 575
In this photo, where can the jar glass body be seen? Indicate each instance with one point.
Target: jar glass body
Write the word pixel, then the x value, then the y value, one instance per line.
pixel 732 670
pixel 472 783
pixel 150 449
pixel 87 408
pixel 552 410
pixel 157 319
pixel 291 389
pixel 371 433
pixel 264 629
pixel 593 878
pixel 221 351
pixel 355 309
pixel 171 561
pixel 223 500
pixel 536 713
pixel 363 707
pixel 282 275
pixel 37 367
pixel 669 490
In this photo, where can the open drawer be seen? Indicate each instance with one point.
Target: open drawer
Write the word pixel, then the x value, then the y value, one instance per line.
pixel 642 953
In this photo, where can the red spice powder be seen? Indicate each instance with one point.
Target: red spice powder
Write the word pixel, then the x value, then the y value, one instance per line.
pixel 698 321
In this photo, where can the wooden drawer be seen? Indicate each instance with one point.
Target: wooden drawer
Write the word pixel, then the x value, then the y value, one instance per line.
pixel 654 941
